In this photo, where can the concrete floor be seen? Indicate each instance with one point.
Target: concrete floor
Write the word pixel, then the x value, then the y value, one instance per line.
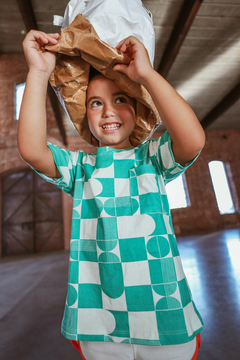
pixel 33 291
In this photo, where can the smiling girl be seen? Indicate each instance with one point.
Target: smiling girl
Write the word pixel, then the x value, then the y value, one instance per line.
pixel 128 297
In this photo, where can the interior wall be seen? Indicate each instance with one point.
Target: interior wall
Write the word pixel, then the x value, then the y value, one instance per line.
pixel 13 71
pixel 203 214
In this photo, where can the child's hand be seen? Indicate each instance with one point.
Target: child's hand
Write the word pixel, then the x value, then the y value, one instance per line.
pixel 139 66
pixel 37 57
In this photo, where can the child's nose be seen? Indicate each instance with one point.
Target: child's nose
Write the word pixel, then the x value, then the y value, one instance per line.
pixel 108 110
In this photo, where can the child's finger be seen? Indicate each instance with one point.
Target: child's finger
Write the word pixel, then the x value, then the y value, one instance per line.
pixel 129 41
pixel 120 44
pixel 49 38
pixel 125 44
pixel 121 67
pixel 55 35
pixel 42 37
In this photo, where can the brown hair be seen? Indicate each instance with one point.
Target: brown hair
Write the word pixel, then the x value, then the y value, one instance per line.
pixel 93 73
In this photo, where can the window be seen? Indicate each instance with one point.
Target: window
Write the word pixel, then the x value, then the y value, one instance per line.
pixel 18 98
pixel 177 193
pixel 221 187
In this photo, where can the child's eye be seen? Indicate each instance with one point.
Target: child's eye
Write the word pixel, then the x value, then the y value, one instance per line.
pixel 96 103
pixel 120 99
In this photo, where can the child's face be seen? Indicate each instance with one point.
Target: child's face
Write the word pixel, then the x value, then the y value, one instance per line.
pixel 110 113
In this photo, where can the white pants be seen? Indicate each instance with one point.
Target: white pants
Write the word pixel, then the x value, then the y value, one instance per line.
pixel 92 350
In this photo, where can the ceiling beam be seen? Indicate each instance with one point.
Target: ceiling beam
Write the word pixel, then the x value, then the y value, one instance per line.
pixel 26 9
pixel 230 99
pixel 185 19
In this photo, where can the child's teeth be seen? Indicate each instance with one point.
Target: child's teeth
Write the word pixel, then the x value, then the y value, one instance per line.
pixel 110 127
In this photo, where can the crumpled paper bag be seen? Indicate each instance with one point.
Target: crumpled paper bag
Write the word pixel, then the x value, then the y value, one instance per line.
pixel 78 48
pixel 114 20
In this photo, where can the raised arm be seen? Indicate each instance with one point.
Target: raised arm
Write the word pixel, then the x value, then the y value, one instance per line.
pixel 32 128
pixel 187 135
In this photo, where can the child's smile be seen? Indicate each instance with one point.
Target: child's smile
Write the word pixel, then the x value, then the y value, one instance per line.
pixel 111 127
pixel 110 113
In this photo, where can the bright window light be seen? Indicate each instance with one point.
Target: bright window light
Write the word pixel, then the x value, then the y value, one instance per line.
pixel 18 98
pixel 177 193
pixel 221 187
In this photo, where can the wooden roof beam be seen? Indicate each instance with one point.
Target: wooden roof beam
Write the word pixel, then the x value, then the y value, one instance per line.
pixel 185 19
pixel 26 9
pixel 30 23
pixel 230 99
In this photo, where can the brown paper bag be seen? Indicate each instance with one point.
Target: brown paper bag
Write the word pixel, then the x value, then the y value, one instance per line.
pixel 78 48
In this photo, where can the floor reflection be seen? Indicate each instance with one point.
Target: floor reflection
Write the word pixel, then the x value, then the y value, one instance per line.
pixel 233 245
pixel 212 265
pixel 193 274
pixel 30 303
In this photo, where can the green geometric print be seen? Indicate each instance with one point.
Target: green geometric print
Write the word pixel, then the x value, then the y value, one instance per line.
pixel 126 281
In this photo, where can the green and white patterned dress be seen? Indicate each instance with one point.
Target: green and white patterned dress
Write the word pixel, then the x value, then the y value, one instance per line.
pixel 126 282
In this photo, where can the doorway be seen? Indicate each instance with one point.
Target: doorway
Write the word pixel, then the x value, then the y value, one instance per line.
pixel 31 214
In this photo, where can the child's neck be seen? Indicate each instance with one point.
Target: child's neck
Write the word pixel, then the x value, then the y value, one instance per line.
pixel 118 146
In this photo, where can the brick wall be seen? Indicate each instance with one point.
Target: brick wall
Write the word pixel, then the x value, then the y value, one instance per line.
pixel 201 216
pixel 13 71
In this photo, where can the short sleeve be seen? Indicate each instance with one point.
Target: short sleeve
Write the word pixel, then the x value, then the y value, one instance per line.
pixel 66 162
pixel 161 149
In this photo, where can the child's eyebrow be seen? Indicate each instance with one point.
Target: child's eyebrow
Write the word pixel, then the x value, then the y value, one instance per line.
pixel 93 98
pixel 120 93
pixel 124 94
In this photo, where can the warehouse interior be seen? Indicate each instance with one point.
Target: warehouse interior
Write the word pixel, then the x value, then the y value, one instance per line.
pixel 197 50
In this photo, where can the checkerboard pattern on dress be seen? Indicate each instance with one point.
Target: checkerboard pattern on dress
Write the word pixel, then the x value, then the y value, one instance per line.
pixel 126 282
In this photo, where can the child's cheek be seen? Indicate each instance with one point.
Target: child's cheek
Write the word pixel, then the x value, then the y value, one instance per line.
pixel 128 113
